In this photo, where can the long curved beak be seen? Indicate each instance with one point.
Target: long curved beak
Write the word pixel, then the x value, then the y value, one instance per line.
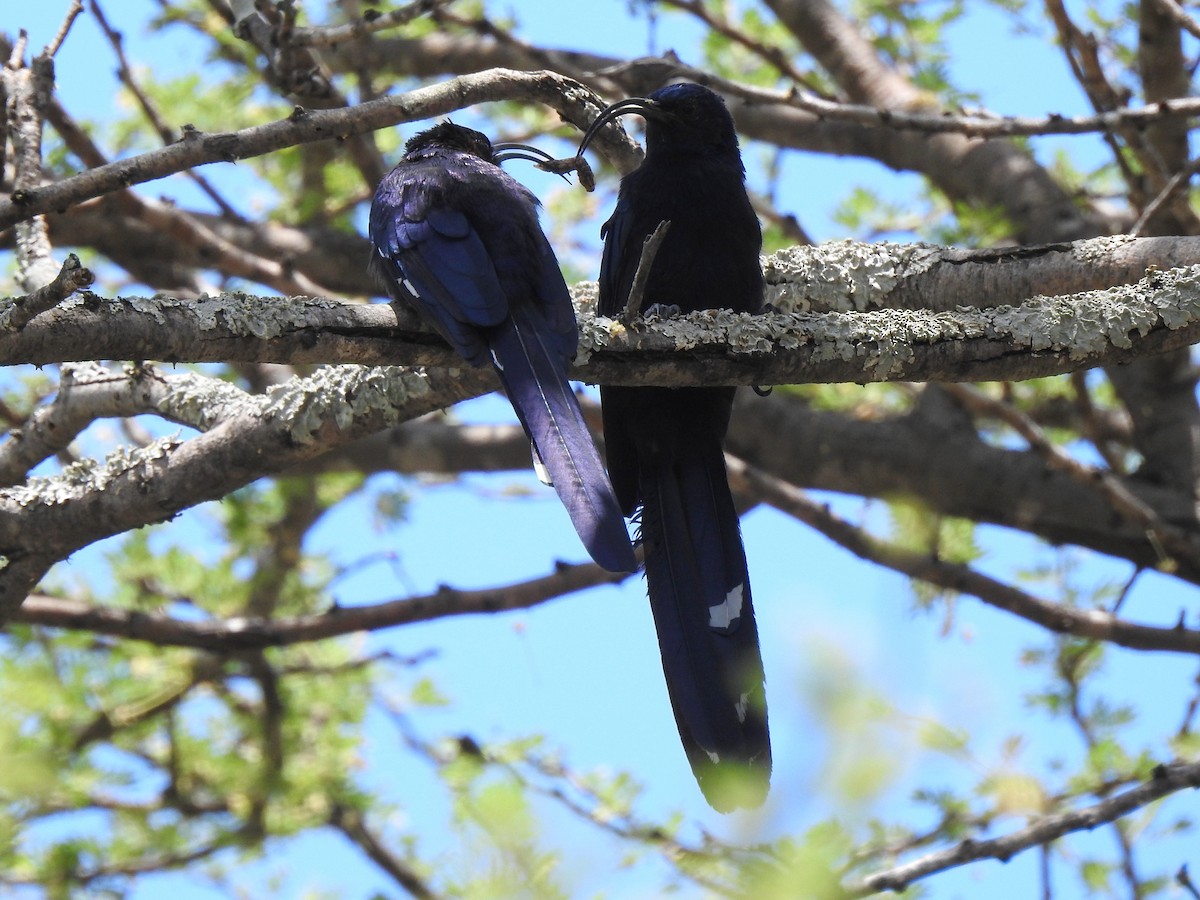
pixel 641 106
pixel 505 150
pixel 511 150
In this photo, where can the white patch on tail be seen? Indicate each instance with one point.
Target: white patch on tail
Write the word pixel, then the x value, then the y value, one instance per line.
pixel 539 467
pixel 721 615
pixel 740 708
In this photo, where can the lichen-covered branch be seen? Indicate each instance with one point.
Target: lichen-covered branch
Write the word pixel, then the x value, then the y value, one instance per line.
pixel 46 519
pixel 962 341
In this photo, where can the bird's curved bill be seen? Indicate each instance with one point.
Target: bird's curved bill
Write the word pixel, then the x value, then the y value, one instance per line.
pixel 505 150
pixel 512 150
pixel 641 106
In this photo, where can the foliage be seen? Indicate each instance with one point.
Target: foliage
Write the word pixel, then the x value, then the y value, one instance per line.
pixel 127 757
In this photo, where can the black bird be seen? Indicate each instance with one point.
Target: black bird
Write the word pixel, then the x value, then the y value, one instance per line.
pixel 458 239
pixel 664 445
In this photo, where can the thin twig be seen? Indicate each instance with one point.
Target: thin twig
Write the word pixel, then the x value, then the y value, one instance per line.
pixel 352 824
pixel 166 133
pixel 371 23
pixel 637 290
pixel 1173 541
pixel 1184 880
pixel 72 13
pixel 772 55
pixel 1177 183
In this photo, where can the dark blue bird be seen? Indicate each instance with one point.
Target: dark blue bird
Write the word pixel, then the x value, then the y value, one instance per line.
pixel 664 445
pixel 458 239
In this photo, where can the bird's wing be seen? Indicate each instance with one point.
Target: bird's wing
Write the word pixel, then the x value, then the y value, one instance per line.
pixel 614 281
pixel 431 254
pixel 553 299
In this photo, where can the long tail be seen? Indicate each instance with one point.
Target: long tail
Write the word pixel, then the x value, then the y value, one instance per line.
pixel 700 596
pixel 535 379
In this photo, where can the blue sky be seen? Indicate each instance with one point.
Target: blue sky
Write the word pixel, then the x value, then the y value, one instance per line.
pixel 585 670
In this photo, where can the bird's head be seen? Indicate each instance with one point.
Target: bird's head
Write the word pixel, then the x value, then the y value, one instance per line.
pixel 450 136
pixel 678 116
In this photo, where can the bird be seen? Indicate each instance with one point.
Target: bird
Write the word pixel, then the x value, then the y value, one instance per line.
pixel 458 239
pixel 665 445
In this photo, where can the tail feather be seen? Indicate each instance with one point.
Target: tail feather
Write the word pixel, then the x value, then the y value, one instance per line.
pixel 535 379
pixel 700 597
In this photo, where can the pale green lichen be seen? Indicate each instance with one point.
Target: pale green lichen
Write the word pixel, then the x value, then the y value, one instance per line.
pixel 1100 249
pixel 89 476
pixel 884 341
pixel 841 276
pixel 263 317
pixel 202 402
pixel 342 393
pixel 594 334
pixel 585 296
pixel 1085 324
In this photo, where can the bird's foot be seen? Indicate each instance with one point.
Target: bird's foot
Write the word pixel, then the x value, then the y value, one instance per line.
pixel 662 310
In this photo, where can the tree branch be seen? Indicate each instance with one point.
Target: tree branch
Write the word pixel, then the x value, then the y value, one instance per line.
pixel 351 823
pixel 572 100
pixel 1094 624
pixel 72 277
pixel 1166 780
pixel 252 633
pixel 47 519
pixel 1042 336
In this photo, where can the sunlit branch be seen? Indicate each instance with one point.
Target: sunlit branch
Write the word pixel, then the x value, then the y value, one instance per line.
pixel 571 99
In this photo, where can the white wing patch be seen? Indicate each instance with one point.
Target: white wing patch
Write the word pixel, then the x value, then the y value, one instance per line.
pixel 410 287
pixel 721 615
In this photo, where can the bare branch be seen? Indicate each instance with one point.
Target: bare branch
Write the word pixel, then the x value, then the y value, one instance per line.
pixel 371 23
pixel 1166 780
pixel 352 824
pixel 1172 540
pixel 1184 880
pixel 165 131
pixel 1170 191
pixel 61 35
pixel 248 633
pixel 1176 13
pixel 28 90
pixel 1095 624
